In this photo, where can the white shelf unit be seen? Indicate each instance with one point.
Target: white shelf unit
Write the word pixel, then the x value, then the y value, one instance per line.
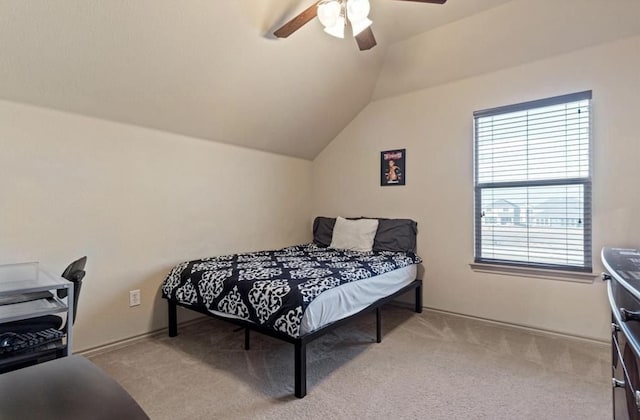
pixel 30 277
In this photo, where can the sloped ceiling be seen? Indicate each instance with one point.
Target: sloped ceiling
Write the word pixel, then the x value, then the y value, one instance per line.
pixel 204 68
pixel 515 33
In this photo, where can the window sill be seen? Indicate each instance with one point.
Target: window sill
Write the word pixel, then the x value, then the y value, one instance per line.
pixel 571 276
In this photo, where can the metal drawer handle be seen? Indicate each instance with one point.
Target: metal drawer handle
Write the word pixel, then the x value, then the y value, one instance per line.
pixel 617 383
pixel 605 276
pixel 628 315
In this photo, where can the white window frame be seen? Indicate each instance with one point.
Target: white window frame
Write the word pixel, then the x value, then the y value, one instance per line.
pixel 484 263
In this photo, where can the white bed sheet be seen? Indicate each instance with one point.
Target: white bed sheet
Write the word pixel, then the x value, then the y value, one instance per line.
pixel 350 298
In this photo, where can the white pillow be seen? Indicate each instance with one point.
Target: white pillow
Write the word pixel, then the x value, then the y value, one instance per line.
pixel 355 235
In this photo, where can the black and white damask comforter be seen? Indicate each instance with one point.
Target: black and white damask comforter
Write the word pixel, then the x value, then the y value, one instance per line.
pixel 273 288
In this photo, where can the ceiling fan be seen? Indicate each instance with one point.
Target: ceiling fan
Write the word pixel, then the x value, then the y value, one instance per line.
pixel 335 15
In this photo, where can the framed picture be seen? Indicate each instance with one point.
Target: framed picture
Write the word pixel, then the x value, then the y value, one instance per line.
pixel 392 167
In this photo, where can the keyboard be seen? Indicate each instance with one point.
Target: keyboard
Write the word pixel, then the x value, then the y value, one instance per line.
pixel 31 341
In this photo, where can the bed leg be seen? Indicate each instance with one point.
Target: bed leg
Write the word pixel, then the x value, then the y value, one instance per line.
pixel 247 339
pixel 300 369
pixel 378 325
pixel 419 298
pixel 173 319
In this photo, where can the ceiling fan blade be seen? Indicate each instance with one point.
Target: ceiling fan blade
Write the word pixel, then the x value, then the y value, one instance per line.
pixel 298 21
pixel 366 40
pixel 428 1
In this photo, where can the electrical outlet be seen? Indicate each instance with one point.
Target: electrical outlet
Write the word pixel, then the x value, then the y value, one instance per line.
pixel 134 297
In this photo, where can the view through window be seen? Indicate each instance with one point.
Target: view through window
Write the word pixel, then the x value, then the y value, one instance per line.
pixel 533 183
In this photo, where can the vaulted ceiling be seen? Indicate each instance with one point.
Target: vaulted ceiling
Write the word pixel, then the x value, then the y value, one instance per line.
pixel 212 69
pixel 203 68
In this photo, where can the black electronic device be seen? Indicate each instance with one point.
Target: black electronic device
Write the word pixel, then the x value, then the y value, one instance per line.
pixel 11 343
pixel 8 340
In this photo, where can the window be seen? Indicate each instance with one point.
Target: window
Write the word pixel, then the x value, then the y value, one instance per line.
pixel 533 184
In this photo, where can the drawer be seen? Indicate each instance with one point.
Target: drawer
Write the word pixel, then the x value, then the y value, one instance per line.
pixel 626 380
pixel 625 360
pixel 627 307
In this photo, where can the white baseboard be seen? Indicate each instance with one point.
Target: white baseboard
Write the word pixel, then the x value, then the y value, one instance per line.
pixel 114 345
pixel 131 340
pixel 528 328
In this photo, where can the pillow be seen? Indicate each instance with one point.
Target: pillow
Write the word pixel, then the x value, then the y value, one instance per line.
pixel 398 235
pixel 354 235
pixel 323 230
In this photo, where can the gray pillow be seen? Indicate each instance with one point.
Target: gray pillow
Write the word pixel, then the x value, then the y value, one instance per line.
pixel 323 230
pixel 396 235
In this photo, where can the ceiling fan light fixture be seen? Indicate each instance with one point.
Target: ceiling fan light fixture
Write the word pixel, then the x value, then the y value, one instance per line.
pixel 358 10
pixel 336 30
pixel 331 15
pixel 329 12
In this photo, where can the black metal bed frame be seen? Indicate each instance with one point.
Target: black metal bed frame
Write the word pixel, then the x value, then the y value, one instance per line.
pixel 300 343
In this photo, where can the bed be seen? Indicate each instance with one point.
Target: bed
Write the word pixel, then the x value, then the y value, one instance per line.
pixel 298 293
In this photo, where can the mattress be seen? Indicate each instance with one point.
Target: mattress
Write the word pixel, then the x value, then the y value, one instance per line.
pixel 349 298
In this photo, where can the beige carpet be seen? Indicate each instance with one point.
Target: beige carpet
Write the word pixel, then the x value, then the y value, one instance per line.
pixel 428 366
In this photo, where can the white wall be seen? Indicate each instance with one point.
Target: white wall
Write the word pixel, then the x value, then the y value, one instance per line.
pixel 435 126
pixel 136 202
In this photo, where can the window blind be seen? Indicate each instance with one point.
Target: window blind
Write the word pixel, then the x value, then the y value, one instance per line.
pixel 533 183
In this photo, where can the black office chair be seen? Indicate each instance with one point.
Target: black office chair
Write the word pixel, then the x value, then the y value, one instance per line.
pixel 74 273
